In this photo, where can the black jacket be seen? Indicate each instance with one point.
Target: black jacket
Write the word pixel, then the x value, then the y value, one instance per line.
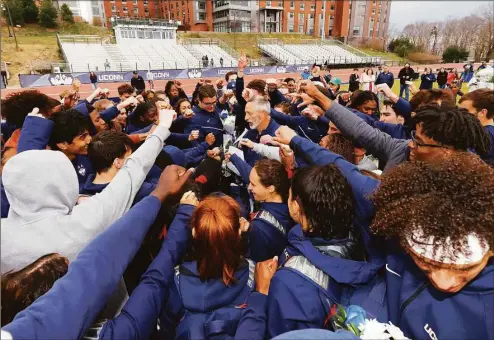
pixel 442 78
pixel 138 83
pixel 354 83
pixel 406 75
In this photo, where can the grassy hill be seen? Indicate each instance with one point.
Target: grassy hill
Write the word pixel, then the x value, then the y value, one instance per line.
pixel 37 44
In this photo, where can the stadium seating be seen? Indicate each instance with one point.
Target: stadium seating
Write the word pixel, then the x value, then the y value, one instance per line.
pixel 213 52
pixel 142 55
pixel 310 53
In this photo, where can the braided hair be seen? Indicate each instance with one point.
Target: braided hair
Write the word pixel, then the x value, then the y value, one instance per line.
pixel 453 126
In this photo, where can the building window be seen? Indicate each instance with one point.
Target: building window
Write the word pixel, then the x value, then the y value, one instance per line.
pixel 292 15
pixel 356 30
pixel 146 3
pixel 332 7
pixel 330 32
pixel 301 17
pixel 302 5
pixel 171 6
pixel 201 5
pixel 135 2
pixel 312 15
pixel 291 28
pixel 312 6
pixel 202 16
pixel 268 3
pixel 331 17
pixel 373 11
pixel 292 4
pixel 113 8
pixel 136 11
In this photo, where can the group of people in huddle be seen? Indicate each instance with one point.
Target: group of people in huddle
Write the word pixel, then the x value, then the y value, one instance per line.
pixel 248 211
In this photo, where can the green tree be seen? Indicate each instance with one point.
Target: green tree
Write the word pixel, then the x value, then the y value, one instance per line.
pixel 66 13
pixel 454 54
pixel 47 14
pixel 30 11
pixel 16 11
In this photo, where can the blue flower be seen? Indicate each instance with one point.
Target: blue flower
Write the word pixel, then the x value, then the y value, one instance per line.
pixel 355 315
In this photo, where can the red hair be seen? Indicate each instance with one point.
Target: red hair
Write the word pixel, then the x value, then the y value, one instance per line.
pixel 217 245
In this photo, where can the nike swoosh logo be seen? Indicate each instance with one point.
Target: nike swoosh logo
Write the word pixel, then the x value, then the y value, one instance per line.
pixel 393 272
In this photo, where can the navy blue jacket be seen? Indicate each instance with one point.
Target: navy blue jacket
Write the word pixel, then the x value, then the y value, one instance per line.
pixel 35 135
pixel 489 158
pixel 91 189
pixel 427 80
pixel 251 156
pixel 276 97
pixel 191 301
pixel 7 130
pixel 362 187
pixel 264 238
pixel 387 78
pixel 206 122
pixel 69 308
pixel 305 127
pixel 403 294
pixel 4 201
pixel 397 131
pixel 295 301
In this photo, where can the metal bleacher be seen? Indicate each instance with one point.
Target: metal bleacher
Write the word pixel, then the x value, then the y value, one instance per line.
pixel 91 53
pixel 314 51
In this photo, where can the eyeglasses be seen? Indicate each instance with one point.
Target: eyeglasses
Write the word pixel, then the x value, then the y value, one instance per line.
pixel 209 104
pixel 417 143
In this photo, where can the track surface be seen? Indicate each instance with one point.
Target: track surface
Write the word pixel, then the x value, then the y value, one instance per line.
pixel 189 84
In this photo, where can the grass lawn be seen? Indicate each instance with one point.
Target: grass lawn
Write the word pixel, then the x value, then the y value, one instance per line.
pixel 37 44
pixel 384 55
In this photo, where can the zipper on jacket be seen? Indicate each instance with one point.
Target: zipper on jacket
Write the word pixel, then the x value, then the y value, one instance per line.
pixel 414 295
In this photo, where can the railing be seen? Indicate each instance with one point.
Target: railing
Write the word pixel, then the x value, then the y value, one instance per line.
pixel 148 22
pixel 59 43
pixel 87 39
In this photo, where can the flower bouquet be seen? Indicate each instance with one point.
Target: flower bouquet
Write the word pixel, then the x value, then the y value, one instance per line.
pixel 354 319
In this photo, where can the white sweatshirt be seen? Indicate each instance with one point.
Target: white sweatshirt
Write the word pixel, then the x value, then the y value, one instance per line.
pixel 42 189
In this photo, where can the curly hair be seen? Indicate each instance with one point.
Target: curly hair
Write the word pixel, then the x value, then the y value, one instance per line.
pixel 447 199
pixel 360 98
pixel 272 172
pixel 125 89
pixel 341 145
pixel 453 126
pixel 18 105
pixel 326 199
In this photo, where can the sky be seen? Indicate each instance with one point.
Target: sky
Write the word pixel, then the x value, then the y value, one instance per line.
pixel 407 12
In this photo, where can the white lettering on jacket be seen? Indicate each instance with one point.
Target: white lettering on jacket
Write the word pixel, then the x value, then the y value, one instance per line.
pixel 429 331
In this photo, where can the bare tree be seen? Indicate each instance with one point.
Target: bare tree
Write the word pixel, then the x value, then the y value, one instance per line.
pixel 474 33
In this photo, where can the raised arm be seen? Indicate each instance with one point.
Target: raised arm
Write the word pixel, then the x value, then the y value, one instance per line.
pixel 35 133
pixel 141 311
pixel 243 168
pixel 69 308
pixel 101 210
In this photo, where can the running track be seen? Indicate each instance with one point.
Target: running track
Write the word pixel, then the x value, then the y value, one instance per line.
pixel 189 84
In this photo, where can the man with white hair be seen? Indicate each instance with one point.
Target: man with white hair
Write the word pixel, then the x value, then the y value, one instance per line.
pixel 257 115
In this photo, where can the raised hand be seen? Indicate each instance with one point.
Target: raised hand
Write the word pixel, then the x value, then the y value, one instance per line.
pixel 264 273
pixel 189 198
pixel 171 181
pixel 284 135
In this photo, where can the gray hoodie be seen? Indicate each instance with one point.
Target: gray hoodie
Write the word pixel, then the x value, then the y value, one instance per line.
pixel 42 189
